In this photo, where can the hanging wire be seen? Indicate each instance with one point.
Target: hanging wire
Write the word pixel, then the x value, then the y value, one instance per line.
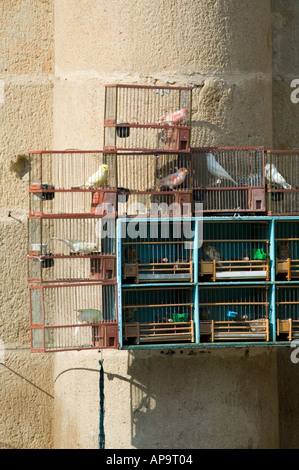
pixel 101 424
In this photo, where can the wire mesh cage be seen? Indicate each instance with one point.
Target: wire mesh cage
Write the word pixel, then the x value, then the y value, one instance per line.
pixel 287 250
pixel 281 172
pixel 287 312
pixel 72 317
pixel 234 251
pixel 71 249
pixel 154 184
pixel 229 179
pixel 237 313
pixel 157 252
pixel 147 117
pixel 157 315
pixel 72 182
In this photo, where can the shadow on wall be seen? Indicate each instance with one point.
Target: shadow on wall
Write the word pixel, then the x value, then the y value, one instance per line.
pixel 186 399
pixel 20 165
pixel 205 134
pixel 288 383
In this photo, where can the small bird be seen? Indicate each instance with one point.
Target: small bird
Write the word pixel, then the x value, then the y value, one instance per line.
pixel 211 253
pixel 79 246
pixel 272 175
pixel 216 169
pixel 88 315
pixel 283 250
pixel 173 118
pixel 129 314
pixel 98 179
pixel 175 179
pixel 204 313
pixel 131 254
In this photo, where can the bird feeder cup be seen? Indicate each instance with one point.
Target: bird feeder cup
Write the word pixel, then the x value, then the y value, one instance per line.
pixel 104 202
pixel 177 138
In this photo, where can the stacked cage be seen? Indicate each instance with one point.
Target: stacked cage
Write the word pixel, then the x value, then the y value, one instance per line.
pixel 234 273
pixel 229 180
pixel 147 117
pixel 281 172
pixel 287 279
pixel 154 184
pixel 156 281
pixel 71 250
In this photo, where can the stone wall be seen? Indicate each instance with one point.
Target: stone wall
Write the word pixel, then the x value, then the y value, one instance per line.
pixel 26 102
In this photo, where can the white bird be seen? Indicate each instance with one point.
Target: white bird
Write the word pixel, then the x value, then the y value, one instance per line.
pixel 272 175
pixel 79 246
pixel 216 169
pixel 98 179
pixel 88 315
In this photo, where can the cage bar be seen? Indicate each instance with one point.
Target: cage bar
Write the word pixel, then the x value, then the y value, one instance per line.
pixel 57 182
pixel 282 170
pixel 234 314
pixel 234 251
pixel 229 179
pixel 69 249
pixel 71 317
pixel 157 315
pixel 287 312
pixel 140 117
pixel 158 252
pixel 146 190
pixel 287 250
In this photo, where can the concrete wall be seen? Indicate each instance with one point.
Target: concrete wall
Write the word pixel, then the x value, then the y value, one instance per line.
pixel 26 66
pixel 187 399
pixel 168 399
pixel 221 47
pixel 285 36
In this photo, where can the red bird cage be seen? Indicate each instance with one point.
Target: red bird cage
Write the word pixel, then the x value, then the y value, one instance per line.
pixel 140 117
pixel 229 179
pixel 281 172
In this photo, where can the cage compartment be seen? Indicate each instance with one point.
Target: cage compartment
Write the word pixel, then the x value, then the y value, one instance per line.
pixel 233 314
pixel 57 179
pixel 69 249
pixel 287 312
pixel 157 315
pixel 229 179
pixel 161 267
pixel 287 250
pixel 143 177
pixel 234 251
pixel 160 252
pixel 282 169
pixel 72 317
pixel 140 117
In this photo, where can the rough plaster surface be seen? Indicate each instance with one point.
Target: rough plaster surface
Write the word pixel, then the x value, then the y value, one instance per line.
pixel 285 32
pixel 223 48
pixel 168 400
pixel 26 65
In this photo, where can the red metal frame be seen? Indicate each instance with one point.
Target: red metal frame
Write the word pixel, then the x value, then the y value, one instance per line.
pixel 111 326
pixel 237 188
pixel 283 191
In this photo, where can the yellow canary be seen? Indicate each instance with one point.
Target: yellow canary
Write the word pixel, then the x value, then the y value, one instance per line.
pixel 98 179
